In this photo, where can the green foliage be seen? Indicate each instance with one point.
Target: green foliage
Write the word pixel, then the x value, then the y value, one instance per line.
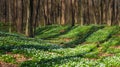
pixel 4 26
pixel 76 31
pixel 102 34
pixel 113 50
pixel 113 61
pixel 7 58
pixel 51 31
pixel 79 50
pixel 43 53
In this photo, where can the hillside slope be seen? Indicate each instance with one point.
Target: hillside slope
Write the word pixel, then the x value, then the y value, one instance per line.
pixel 63 46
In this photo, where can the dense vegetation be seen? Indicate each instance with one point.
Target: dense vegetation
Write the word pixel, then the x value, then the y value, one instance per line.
pixel 63 46
pixel 24 16
pixel 59 33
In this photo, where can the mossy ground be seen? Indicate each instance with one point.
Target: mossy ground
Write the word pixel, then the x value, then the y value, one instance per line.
pixel 63 46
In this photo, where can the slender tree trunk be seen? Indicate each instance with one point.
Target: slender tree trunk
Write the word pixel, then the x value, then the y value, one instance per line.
pixel 109 13
pixel 73 12
pixel 27 19
pixel 63 12
pixel 10 22
pixel 93 12
pixel 81 13
pixel 19 16
pixel 36 17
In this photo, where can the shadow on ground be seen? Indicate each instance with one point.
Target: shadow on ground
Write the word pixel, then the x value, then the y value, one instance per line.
pixel 81 38
pixel 61 32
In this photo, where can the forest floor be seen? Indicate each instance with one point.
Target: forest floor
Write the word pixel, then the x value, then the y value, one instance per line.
pixel 62 46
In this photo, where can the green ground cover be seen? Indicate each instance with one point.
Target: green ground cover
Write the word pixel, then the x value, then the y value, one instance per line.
pixel 63 46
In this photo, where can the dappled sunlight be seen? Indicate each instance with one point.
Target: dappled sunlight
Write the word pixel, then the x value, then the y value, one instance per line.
pixel 65 46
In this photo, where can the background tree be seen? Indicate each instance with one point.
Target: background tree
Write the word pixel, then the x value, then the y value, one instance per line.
pixel 23 16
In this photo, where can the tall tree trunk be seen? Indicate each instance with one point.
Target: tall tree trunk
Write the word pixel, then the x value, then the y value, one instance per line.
pixel 73 12
pixel 94 12
pixel 76 11
pixel 29 24
pixel 10 22
pixel 109 12
pixel 27 19
pixel 81 12
pixel 36 17
pixel 31 19
pixel 19 16
pixel 45 13
pixel 62 12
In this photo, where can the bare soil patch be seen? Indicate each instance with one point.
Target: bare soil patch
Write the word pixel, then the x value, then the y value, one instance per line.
pixel 116 47
pixel 105 54
pixel 3 64
pixel 19 57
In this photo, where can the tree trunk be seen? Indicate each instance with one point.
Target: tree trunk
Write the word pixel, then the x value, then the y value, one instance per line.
pixel 19 16
pixel 29 24
pixel 62 12
pixel 10 22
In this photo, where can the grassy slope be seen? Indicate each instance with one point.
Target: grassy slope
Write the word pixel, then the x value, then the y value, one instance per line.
pixel 93 46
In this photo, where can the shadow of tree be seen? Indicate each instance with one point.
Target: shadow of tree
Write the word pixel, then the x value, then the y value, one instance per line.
pixel 9 48
pixel 43 29
pixel 82 37
pixel 51 62
pixel 61 32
